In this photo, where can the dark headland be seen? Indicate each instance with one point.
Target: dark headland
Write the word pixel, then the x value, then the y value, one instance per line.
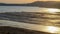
pixel 48 4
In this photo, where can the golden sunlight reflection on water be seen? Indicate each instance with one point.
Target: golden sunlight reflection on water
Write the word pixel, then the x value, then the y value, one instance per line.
pixel 52 29
pixel 53 10
pixel 46 19
pixel 50 10
pixel 49 29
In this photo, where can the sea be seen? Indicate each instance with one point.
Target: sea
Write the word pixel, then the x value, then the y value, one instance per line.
pixel 18 9
pixel 43 28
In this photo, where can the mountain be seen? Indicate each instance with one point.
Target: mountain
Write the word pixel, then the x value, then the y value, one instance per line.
pixel 48 4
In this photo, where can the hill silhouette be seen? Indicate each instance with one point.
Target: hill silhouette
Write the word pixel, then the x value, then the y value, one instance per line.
pixel 48 4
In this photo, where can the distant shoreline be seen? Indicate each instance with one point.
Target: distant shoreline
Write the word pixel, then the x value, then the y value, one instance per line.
pixel 49 4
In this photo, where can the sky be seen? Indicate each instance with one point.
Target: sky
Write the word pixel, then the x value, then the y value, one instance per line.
pixel 22 1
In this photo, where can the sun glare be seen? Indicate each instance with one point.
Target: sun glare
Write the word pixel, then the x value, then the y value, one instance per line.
pixel 52 29
pixel 52 10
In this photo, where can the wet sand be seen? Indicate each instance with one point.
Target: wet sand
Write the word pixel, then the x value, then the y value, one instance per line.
pixel 14 30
